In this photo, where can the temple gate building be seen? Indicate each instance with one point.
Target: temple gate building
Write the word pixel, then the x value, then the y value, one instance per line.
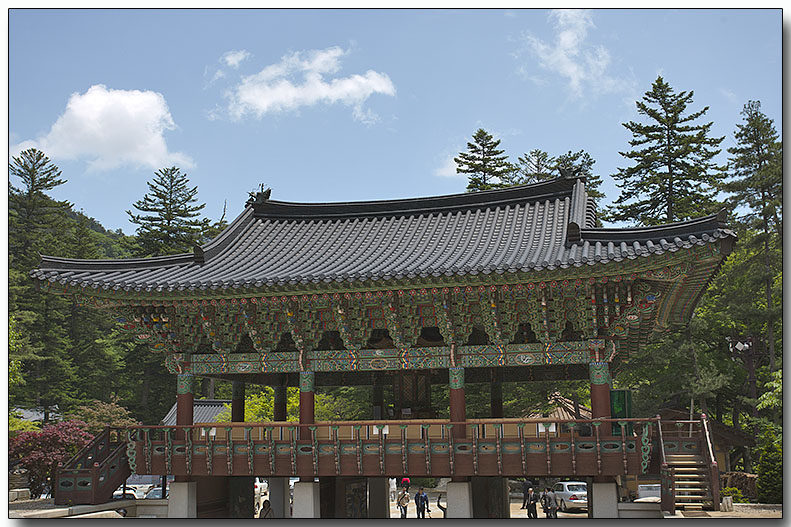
pixel 507 285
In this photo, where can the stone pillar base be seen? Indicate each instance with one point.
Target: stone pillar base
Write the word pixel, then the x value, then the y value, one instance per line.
pixel 279 497
pixel 378 498
pixel 306 499
pixel 603 500
pixel 183 499
pixel 459 499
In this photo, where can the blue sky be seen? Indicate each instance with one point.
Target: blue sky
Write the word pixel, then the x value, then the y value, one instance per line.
pixel 346 105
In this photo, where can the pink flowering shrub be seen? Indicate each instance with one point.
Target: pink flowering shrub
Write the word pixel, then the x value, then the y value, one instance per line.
pixel 40 452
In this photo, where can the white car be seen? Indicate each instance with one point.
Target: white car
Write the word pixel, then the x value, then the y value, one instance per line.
pixel 156 493
pixel 571 495
pixel 121 495
pixel 649 493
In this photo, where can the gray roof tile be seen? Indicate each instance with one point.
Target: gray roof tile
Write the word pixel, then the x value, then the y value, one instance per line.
pixel 277 243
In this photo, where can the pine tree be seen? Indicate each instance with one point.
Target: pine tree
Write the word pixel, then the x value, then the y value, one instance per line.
pixel 485 165
pixel 674 177
pixel 533 167
pixel 33 215
pixel 170 223
pixel 37 223
pixel 757 182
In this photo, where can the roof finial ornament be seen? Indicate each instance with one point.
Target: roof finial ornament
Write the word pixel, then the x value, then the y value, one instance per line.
pixel 258 198
pixel 569 172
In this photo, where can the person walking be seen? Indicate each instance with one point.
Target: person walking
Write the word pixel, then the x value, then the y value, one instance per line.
pixel 532 499
pixel 403 502
pixel 393 493
pixel 405 483
pixel 266 511
pixel 526 484
pixel 551 510
pixel 421 502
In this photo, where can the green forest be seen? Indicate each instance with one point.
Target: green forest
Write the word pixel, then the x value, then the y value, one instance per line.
pixel 70 361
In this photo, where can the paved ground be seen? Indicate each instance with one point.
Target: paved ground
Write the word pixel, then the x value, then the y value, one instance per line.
pixel 741 511
pixel 516 512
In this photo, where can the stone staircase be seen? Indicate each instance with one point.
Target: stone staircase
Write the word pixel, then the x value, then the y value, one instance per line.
pixel 692 481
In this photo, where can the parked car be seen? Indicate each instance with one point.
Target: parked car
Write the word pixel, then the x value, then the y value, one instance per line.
pixel 156 493
pixel 649 493
pixel 121 495
pixel 571 495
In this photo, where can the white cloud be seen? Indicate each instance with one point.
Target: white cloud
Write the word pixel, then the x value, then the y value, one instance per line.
pixel 299 80
pixel 584 65
pixel 448 168
pixel 111 128
pixel 232 59
pixel 729 94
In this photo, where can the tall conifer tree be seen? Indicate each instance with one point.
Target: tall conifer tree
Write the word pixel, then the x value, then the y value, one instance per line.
pixel 169 223
pixel 756 167
pixel 674 177
pixel 485 165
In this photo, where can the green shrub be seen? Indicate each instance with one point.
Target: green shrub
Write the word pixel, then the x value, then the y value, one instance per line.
pixel 735 493
pixel 770 471
pixel 426 483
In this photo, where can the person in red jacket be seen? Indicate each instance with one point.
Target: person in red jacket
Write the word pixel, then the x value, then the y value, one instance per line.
pixel 405 483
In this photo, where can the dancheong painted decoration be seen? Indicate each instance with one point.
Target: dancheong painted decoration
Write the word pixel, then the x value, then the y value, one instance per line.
pixel 507 285
pixel 511 277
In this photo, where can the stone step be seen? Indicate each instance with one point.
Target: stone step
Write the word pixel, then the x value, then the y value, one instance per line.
pixel 686 498
pixel 691 492
pixel 683 471
pixel 690 486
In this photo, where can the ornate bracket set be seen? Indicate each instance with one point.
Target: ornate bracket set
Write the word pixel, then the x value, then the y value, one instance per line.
pixel 555 313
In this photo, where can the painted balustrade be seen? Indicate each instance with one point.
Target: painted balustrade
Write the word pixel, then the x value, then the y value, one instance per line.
pixel 507 447
pixel 714 473
pixel 96 470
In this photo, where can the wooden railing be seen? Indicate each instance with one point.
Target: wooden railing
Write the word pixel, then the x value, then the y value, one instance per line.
pixel 666 475
pixel 94 473
pixel 507 447
pixel 714 473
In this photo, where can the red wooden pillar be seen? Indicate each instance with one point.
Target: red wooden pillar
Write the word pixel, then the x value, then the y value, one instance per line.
pixel 237 402
pixel 458 410
pixel 307 397
pixel 185 397
pixel 600 389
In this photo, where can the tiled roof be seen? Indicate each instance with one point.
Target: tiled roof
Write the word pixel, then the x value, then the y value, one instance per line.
pixel 525 228
pixel 203 410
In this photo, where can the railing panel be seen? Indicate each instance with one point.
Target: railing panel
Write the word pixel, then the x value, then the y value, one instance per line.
pixel 383 450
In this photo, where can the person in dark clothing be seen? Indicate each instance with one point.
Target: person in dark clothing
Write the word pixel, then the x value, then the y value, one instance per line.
pixel 549 503
pixel 526 484
pixel 443 509
pixel 532 499
pixel 421 502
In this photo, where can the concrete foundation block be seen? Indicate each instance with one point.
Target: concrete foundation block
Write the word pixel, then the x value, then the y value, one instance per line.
pixel 183 499
pixel 306 500
pixel 459 499
pixel 603 500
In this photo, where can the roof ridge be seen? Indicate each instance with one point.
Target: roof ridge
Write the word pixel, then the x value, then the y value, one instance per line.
pixel 420 205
